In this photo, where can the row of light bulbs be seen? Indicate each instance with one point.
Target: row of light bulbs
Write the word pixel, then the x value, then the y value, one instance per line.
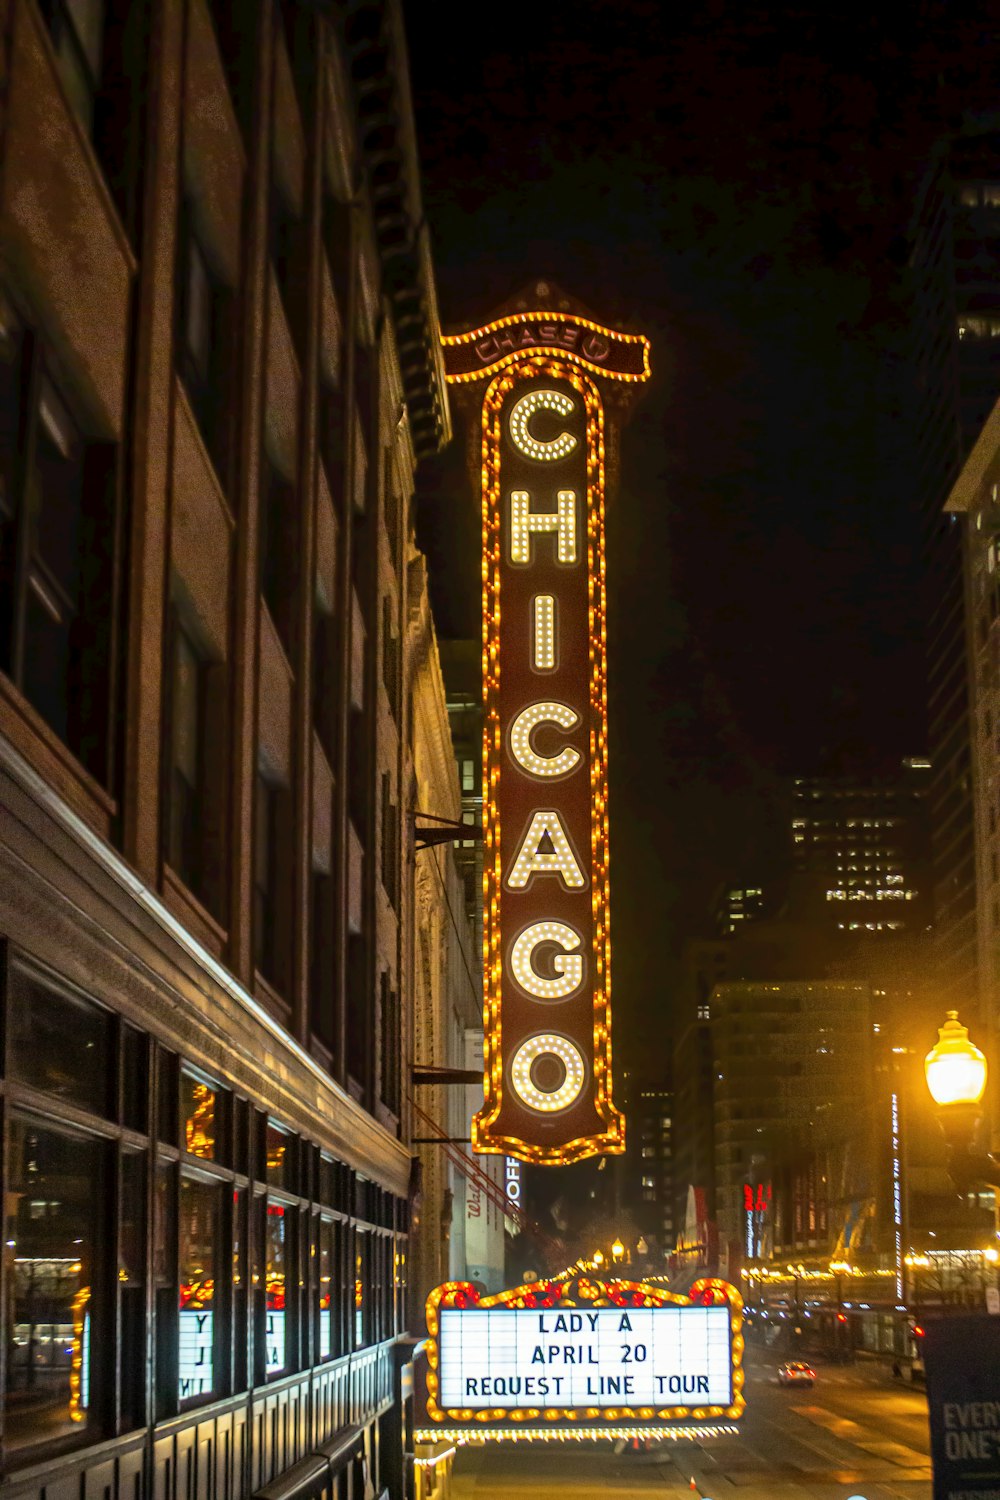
pixel 544 648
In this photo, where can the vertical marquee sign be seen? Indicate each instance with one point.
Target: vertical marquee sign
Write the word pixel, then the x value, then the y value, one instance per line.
pixel 545 375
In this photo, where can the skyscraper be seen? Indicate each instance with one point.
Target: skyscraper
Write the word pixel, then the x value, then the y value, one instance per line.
pixel 859 852
pixel 955 269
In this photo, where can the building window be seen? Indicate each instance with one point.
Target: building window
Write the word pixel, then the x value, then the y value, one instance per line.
pixel 77 28
pixel 56 551
pixel 324 678
pixel 284 243
pixel 326 1287
pixel 278 547
pixel 276 1288
pixel 270 926
pixel 202 336
pixel 55 1184
pixel 60 1043
pixel 193 803
pixel 389 1050
pixel 200 1239
pixel 198 1102
pixel 187 711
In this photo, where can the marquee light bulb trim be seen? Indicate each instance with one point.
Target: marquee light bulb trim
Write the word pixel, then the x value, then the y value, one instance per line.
pixel 562 1295
pixel 523 543
pixel 588 345
pixel 464 1438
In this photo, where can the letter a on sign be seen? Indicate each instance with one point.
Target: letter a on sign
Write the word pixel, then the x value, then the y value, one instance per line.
pixel 548 1086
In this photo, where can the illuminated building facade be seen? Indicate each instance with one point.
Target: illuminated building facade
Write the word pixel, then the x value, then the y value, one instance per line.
pixel 220 368
pixel 955 273
pixel 738 904
pixel 544 375
pixel 975 500
pixel 860 853
pixel 792 1096
pixel 647 1170
pixel 461 1230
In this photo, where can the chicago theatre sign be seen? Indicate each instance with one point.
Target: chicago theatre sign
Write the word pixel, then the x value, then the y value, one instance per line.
pixel 551 386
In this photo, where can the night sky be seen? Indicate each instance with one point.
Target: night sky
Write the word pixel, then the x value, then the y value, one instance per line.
pixel 735 182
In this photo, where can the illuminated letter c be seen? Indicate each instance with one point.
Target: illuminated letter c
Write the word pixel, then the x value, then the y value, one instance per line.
pixel 521 413
pixel 523 727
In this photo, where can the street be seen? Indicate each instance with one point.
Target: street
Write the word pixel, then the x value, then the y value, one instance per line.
pixel 857 1432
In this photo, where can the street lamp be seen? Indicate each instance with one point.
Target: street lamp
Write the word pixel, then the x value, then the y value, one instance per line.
pixel 617 1250
pixel 956 1077
pixel 598 1258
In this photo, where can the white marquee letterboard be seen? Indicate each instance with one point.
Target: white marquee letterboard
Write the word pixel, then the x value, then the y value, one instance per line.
pixel 597 1357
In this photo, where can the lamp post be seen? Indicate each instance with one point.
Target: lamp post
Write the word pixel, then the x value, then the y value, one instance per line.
pixel 617 1251
pixel 956 1074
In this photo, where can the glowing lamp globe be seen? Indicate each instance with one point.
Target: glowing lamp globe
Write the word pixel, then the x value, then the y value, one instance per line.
pixel 955 1069
pixel 617 1249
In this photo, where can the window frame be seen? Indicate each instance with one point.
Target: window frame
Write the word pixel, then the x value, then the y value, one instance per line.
pixel 89 632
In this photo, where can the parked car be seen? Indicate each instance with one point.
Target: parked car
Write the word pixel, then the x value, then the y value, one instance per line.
pixel 796 1373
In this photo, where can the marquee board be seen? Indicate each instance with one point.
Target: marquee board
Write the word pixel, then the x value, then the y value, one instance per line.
pixel 585 1356
pixel 547 425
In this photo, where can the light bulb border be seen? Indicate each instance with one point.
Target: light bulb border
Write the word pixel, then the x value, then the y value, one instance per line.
pixel 610 1139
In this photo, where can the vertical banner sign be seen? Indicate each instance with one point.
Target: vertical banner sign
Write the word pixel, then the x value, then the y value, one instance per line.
pixel 962 1357
pixel 548 1094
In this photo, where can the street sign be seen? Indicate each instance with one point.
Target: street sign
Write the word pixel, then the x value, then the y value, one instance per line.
pixel 962 1357
pixel 584 1352
pixel 993 1300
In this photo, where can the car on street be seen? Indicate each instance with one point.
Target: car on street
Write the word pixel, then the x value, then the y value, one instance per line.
pixel 796 1372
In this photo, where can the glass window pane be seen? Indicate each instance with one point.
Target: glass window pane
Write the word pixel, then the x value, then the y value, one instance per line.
pixel 135 1079
pixel 87 17
pixel 199 1239
pixel 326 1265
pixel 276 1250
pixel 198 311
pixel 359 1290
pixel 184 710
pixel 132 1284
pixel 279 1157
pixel 55 1184
pixel 198 1114
pixel 60 1043
pixel 11 340
pixel 57 493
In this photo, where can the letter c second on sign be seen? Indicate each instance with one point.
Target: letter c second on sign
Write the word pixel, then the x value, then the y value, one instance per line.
pixel 525 754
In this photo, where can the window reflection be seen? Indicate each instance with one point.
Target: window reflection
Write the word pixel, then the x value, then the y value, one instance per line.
pixel 198 1111
pixel 278 1156
pixel 359 1293
pixel 326 1265
pixel 59 1043
pixel 199 1236
pixel 54 1187
pixel 276 1250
